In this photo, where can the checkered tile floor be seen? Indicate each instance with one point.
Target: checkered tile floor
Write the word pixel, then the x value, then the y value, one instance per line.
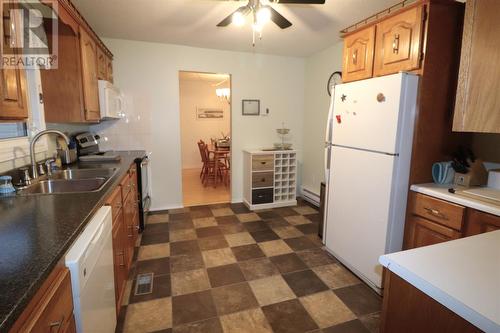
pixel 222 268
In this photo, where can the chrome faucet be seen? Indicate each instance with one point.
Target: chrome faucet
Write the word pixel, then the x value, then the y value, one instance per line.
pixel 34 171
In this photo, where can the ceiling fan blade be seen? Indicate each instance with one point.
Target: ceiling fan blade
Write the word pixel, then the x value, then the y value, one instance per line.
pixel 279 19
pixel 225 22
pixel 310 2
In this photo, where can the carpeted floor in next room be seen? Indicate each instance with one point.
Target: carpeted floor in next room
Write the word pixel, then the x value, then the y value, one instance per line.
pixel 222 268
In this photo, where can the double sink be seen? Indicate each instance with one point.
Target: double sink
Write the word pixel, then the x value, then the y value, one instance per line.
pixel 71 181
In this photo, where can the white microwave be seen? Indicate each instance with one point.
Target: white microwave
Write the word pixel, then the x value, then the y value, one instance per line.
pixel 110 101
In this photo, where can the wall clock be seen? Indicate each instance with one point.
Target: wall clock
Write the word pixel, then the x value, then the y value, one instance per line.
pixel 334 79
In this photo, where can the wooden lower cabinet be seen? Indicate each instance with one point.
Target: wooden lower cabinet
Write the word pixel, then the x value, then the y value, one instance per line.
pixel 125 211
pixel 432 221
pixel 407 309
pixel 425 232
pixel 51 309
pixel 479 222
pixel 120 259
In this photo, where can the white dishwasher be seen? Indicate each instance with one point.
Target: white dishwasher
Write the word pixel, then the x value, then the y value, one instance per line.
pixel 90 261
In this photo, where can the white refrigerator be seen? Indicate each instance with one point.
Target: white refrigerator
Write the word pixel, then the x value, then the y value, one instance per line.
pixel 368 151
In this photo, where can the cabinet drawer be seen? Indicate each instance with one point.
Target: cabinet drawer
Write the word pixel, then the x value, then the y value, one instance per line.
pixel 125 186
pixel 262 196
pixel 439 211
pixel 115 201
pixel 262 179
pixel 262 162
pixel 56 308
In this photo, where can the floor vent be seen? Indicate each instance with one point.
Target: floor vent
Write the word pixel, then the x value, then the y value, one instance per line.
pixel 144 284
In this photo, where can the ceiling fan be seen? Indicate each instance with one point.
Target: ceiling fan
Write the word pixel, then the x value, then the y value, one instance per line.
pixel 262 13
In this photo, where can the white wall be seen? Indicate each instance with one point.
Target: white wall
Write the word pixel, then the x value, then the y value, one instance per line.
pixel 148 75
pixel 200 94
pixel 319 67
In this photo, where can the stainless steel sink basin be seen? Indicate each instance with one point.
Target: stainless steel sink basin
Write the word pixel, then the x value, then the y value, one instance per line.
pixel 71 181
pixel 65 186
pixel 83 173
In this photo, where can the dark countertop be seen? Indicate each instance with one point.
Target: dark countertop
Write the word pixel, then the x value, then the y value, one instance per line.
pixel 36 231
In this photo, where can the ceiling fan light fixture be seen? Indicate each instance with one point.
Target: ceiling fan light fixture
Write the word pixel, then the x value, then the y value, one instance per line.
pixel 238 18
pixel 263 15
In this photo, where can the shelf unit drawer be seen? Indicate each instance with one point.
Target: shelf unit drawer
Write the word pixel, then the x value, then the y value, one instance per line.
pixel 262 179
pixel 262 196
pixel 439 211
pixel 262 162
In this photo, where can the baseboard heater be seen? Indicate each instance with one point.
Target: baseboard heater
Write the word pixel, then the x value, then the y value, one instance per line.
pixel 309 196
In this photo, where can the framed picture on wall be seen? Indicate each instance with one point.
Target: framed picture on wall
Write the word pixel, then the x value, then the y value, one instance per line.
pixel 207 113
pixel 250 107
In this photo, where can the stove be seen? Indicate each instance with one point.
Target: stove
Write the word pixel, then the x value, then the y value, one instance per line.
pixel 87 144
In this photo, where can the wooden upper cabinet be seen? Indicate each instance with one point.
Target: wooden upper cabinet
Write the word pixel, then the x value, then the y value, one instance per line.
pixel 13 93
pixel 477 105
pixel 398 43
pixel 102 64
pixel 62 86
pixel 14 102
pixel 358 55
pixel 88 49
pixel 109 69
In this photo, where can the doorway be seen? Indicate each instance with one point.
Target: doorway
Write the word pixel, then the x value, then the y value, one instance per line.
pixel 205 115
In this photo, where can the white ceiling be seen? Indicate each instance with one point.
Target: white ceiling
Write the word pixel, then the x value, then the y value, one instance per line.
pixel 193 23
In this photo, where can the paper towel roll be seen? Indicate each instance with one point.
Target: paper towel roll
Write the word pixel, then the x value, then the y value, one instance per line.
pixel 494 179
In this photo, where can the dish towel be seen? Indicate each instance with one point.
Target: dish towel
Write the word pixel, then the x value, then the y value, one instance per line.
pixel 443 173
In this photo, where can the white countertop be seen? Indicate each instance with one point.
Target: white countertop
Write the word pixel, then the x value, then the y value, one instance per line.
pixel 260 151
pixel 463 275
pixel 441 192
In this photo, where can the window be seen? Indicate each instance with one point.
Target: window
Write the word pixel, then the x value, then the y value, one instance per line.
pixel 13 130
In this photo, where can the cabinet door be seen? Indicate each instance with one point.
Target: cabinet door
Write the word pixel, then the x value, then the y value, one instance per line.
pixel 101 65
pixel 88 49
pixel 425 232
pixel 130 227
pixel 55 311
pixel 62 86
pixel 478 222
pixel 13 95
pixel 399 42
pixel 358 55
pixel 478 102
pixel 109 69
pixel 120 258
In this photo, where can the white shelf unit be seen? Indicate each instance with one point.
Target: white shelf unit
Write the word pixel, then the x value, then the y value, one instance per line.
pixel 270 179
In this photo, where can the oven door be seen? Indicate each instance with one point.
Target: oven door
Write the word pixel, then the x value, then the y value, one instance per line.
pixel 145 198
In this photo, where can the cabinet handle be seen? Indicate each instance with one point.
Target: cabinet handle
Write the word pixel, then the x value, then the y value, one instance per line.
pixel 395 44
pixel 262 163
pixel 355 57
pixel 263 180
pixel 56 324
pixel 436 213
pixel 122 255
